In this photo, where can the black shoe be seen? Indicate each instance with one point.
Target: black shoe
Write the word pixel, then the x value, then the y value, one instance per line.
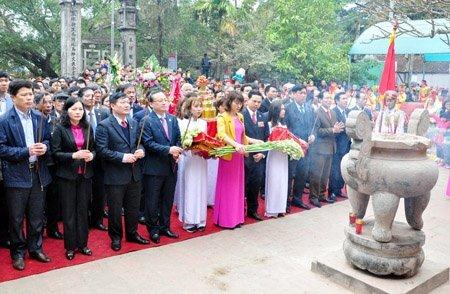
pixel 191 229
pixel 138 239
pixel 85 251
pixel 332 197
pixel 55 235
pixel 326 200
pixel 40 256
pixel 316 202
pixel 19 264
pixel 116 245
pixel 70 254
pixel 255 216
pixel 281 215
pixel 5 244
pixel 300 204
pixel 201 228
pixel 169 233
pixel 100 227
pixel 142 220
pixel 155 238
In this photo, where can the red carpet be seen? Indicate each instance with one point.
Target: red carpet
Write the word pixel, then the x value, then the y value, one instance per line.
pixel 99 243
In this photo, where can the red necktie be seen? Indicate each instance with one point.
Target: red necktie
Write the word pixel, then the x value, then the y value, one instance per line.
pixel 124 124
pixel 254 117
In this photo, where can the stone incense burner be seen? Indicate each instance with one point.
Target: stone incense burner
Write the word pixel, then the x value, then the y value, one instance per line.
pixel 386 168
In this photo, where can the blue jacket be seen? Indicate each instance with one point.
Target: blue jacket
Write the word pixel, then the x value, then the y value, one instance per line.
pixel 301 125
pixel 157 160
pixel 111 145
pixel 14 152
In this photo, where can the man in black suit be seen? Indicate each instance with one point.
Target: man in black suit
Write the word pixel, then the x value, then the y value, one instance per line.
pixel 322 152
pixel 343 143
pixel 94 116
pixel 361 101
pixel 117 138
pixel 300 122
pixel 24 145
pixel 271 93
pixel 256 127
pixel 44 104
pixel 161 139
pixel 130 91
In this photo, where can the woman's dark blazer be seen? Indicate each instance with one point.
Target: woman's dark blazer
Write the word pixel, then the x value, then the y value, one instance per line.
pixel 63 146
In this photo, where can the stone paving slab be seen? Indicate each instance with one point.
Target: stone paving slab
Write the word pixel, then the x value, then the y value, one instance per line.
pixel 268 257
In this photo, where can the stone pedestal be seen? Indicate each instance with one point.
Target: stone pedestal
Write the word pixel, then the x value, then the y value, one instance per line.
pixel 335 268
pixel 402 256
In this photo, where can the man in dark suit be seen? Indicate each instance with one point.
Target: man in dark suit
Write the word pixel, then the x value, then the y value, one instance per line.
pixel 24 145
pixel 94 116
pixel 271 93
pixel 361 101
pixel 161 139
pixel 256 127
pixel 117 138
pixel 5 105
pixel 44 104
pixel 300 122
pixel 324 147
pixel 130 91
pixel 343 143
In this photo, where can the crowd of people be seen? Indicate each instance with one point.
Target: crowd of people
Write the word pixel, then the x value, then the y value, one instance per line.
pixel 73 150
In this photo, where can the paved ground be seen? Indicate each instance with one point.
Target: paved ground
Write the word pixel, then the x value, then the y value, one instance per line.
pixel 269 257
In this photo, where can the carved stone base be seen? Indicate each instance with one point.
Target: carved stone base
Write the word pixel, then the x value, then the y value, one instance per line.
pixel 403 256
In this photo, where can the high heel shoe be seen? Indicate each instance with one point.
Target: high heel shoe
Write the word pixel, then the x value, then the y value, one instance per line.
pixel 70 254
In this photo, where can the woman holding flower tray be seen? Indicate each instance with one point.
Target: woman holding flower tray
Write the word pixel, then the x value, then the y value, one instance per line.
pixel 277 168
pixel 192 186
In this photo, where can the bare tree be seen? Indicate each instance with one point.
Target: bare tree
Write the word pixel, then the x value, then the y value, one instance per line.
pixel 405 11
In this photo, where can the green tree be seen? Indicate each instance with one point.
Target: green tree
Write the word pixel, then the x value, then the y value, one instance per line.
pixel 306 35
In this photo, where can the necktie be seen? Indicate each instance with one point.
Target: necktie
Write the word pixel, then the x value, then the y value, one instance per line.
pixel 92 121
pixel 124 124
pixel 329 113
pixel 164 124
pixel 254 117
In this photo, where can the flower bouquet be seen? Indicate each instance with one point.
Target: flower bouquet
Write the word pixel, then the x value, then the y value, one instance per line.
pixel 280 140
pixel 199 142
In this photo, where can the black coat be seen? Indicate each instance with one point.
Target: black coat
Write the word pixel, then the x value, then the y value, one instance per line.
pixel 111 145
pixel 343 142
pixel 63 146
pixel 259 130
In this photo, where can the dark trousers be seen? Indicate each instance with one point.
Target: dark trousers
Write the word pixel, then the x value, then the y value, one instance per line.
pixel 29 202
pixel 336 181
pixel 4 231
pixel 126 196
pixel 98 195
pixel 320 173
pixel 299 171
pixel 253 177
pixel 159 191
pixel 75 203
pixel 52 202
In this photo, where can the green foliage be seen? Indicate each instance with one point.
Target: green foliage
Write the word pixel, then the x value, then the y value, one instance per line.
pixel 306 33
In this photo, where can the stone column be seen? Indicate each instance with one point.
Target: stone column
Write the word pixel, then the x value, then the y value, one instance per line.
pixel 127 28
pixel 71 59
